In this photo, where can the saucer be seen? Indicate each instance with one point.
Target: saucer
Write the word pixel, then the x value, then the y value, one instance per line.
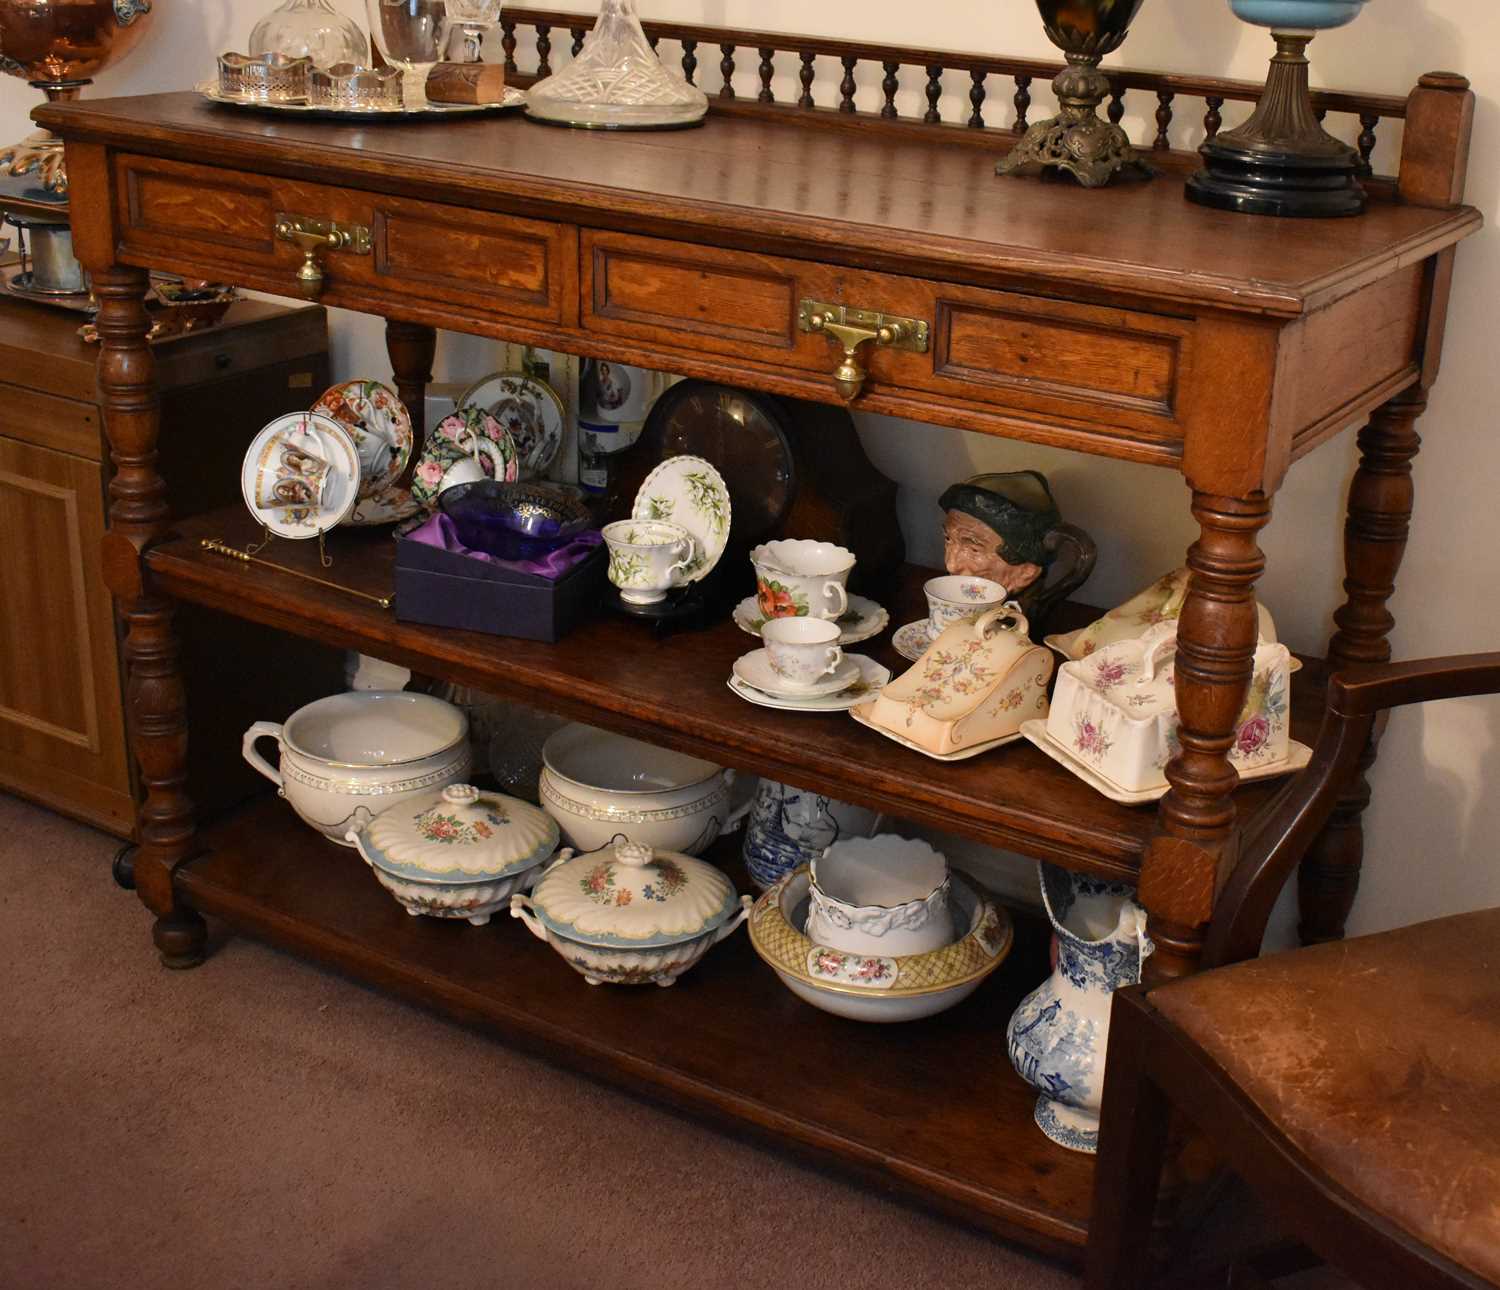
pixel 913 640
pixel 754 669
pixel 529 408
pixel 1298 755
pixel 861 714
pixel 390 506
pixel 341 491
pixel 863 620
pixel 374 415
pixel 689 492
pixel 872 677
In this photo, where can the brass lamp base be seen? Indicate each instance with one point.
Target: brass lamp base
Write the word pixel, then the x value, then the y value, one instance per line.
pixel 1281 161
pixel 1076 140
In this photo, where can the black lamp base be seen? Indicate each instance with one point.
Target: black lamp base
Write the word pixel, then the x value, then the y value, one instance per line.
pixel 1257 181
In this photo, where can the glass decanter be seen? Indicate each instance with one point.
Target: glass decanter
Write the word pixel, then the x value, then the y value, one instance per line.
pixel 311 29
pixel 411 35
pixel 617 82
pixel 472 19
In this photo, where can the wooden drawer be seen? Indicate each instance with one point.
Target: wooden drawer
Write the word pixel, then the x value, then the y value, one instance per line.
pixel 1083 362
pixel 222 224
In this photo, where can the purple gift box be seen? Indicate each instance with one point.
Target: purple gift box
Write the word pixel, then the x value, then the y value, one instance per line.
pixel 441 583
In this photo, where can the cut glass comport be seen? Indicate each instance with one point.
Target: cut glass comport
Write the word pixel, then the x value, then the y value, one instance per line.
pixel 617 82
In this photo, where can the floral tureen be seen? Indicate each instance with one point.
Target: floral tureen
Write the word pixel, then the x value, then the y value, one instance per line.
pixel 1116 710
pixel 458 852
pixel 629 914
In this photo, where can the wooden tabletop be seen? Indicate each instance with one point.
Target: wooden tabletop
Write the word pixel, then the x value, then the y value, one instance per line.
pixel 920 206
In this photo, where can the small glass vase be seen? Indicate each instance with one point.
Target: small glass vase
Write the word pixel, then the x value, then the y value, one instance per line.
pixel 311 29
pixel 617 82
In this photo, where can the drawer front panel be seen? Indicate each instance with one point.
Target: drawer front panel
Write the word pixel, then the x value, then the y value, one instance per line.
pixel 1081 363
pixel 191 216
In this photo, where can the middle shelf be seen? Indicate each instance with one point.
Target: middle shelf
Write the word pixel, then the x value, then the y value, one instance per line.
pixel 613 672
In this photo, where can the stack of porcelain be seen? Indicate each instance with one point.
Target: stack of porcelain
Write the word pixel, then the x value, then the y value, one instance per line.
pixel 878 929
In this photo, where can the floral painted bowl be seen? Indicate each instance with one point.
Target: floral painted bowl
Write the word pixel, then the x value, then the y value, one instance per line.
pixel 1116 711
pixel 630 915
pixel 874 987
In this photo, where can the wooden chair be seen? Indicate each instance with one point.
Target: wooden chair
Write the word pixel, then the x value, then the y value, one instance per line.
pixel 1354 1086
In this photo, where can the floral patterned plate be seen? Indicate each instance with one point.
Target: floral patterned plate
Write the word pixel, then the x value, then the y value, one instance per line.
pixel 531 410
pixel 378 420
pixel 1298 755
pixel 689 492
pixel 872 678
pixel 451 441
pixel 862 715
pixel 913 640
pixel 864 619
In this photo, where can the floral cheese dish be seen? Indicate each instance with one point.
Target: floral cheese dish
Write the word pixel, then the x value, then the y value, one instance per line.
pixel 1116 711
pixel 974 685
pixel 457 853
pixel 631 915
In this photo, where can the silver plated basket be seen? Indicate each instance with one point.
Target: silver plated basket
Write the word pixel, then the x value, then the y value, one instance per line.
pixel 347 87
pixel 271 78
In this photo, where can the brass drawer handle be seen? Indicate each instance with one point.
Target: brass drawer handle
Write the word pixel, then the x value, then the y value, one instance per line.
pixel 314 237
pixel 856 328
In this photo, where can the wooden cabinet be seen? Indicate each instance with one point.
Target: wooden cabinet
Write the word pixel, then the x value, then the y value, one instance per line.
pixel 62 723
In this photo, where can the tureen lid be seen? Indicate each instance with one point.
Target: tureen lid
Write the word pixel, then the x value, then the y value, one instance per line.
pixel 631 896
pixel 459 835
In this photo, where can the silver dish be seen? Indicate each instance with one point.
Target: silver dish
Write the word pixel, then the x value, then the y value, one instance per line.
pixel 350 88
pixel 514 98
pixel 270 78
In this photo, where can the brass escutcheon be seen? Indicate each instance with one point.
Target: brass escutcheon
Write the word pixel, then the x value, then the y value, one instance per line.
pixel 313 237
pixel 856 328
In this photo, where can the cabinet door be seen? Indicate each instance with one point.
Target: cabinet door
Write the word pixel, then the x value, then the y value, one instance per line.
pixel 62 737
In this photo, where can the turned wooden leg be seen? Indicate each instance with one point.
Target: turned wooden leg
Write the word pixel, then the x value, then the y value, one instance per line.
pixel 1216 639
pixel 156 701
pixel 412 347
pixel 1380 506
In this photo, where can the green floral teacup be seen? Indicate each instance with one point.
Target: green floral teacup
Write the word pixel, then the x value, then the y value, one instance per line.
pixel 647 558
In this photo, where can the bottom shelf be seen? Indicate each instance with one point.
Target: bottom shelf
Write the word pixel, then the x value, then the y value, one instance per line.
pixel 931 1108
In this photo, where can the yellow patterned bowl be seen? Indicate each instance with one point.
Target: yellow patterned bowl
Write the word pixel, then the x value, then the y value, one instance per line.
pixel 869 987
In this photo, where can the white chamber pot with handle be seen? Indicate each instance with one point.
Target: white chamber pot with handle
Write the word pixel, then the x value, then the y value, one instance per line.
pixel 347 758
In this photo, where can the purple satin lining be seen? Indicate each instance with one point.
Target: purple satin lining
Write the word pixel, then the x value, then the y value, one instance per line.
pixel 439 532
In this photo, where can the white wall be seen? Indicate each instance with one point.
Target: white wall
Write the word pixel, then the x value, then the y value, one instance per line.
pixel 1432 825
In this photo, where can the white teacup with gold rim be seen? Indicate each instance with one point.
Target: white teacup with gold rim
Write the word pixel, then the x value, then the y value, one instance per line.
pixel 801 578
pixel 647 558
pixel 802 651
pixel 955 596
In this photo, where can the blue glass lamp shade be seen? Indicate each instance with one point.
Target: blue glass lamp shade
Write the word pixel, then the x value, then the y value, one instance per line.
pixel 1304 15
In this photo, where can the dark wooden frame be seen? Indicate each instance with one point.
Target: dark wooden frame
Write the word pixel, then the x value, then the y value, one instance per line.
pixel 1154 1068
pixel 174 183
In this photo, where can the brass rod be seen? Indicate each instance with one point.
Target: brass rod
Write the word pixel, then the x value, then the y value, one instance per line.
pixel 234 553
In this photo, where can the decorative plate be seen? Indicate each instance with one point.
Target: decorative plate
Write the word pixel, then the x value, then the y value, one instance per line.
pixel 514 98
pixel 441 451
pixel 529 409
pixel 913 640
pixel 388 507
pixel 862 715
pixel 341 492
pixel 1298 755
pixel 863 620
pixel 871 679
pixel 754 669
pixel 381 427
pixel 689 492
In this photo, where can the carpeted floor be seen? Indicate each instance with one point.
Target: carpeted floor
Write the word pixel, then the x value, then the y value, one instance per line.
pixel 260 1123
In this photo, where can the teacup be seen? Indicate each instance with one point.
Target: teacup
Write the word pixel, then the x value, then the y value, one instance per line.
pixel 956 596
pixel 447 462
pixel 647 558
pixel 802 651
pixel 291 472
pixel 885 895
pixel 800 578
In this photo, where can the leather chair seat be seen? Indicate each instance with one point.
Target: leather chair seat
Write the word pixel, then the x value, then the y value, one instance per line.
pixel 1379 1059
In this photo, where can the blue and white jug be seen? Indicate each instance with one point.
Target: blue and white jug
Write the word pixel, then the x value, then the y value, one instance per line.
pixel 1057 1036
pixel 790 827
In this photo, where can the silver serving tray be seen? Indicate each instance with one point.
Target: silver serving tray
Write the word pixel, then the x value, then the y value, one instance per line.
pixel 514 98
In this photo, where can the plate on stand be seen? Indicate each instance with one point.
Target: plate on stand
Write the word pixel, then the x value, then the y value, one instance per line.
pixel 374 414
pixel 863 620
pixel 1298 755
pixel 529 408
pixel 389 507
pixel 689 492
pixel 872 677
pixel 862 715
pixel 340 493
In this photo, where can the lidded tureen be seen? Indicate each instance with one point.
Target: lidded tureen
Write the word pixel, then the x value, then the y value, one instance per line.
pixel 630 914
pixel 458 852
pixel 1116 711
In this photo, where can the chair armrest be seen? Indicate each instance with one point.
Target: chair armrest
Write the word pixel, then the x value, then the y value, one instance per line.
pixel 1298 813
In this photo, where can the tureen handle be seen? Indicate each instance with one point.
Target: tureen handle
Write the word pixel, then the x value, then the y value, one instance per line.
pixel 522 908
pixel 746 904
pixel 1008 615
pixel 566 853
pixel 262 730
pixel 1156 644
pixel 635 854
